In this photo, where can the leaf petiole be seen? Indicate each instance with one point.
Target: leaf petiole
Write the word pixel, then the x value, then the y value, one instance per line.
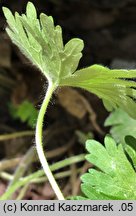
pixel 39 144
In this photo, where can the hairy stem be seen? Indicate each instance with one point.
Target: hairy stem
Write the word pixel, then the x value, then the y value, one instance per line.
pixel 39 144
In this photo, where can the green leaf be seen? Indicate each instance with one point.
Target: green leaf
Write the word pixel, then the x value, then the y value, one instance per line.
pixel 10 18
pixel 132 154
pixel 130 148
pixel 131 141
pixel 71 56
pixel 78 198
pixel 58 38
pixel 116 88
pixel 121 125
pixel 41 42
pixel 31 11
pixel 114 178
pixel 26 112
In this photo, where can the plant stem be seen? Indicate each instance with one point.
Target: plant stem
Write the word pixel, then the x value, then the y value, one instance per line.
pixel 23 165
pixel 39 144
pixel 16 135
pixel 22 192
pixel 37 174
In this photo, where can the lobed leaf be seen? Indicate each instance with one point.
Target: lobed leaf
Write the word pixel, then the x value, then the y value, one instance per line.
pixel 117 88
pixel 121 125
pixel 71 56
pixel 114 178
pixel 41 42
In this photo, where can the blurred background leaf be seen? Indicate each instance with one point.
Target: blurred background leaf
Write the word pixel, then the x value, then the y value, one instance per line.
pixel 122 125
pixel 25 112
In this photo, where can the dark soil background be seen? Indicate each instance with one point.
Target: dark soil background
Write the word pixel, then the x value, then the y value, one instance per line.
pixel 108 29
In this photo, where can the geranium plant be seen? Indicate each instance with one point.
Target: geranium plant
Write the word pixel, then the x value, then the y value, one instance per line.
pixel 42 43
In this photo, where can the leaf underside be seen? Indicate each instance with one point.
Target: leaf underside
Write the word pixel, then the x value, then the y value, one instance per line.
pixel 42 43
pixel 115 177
pixel 117 88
